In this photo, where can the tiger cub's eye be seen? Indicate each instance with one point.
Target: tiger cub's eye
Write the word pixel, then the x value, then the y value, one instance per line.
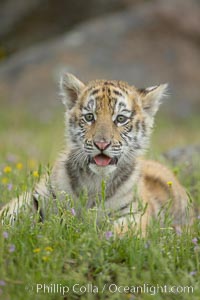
pixel 89 117
pixel 121 119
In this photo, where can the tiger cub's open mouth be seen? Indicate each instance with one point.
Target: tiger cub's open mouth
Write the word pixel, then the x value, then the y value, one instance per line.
pixel 103 160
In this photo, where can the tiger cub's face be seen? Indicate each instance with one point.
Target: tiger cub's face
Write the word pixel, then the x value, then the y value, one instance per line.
pixel 109 122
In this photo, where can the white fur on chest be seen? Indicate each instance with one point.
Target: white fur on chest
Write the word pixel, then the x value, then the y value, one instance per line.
pixel 92 185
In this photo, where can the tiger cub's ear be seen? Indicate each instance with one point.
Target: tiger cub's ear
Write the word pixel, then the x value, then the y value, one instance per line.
pixel 151 97
pixel 70 88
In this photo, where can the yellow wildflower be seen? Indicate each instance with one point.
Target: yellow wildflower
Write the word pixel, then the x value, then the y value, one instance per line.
pixel 7 169
pixel 36 250
pixel 19 166
pixel 169 183
pixel 4 180
pixel 49 249
pixel 32 164
pixel 35 174
pixel 45 258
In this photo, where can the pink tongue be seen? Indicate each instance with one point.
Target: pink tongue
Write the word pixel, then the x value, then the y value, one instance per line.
pixel 102 160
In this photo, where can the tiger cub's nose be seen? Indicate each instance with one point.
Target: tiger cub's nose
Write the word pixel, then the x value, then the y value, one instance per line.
pixel 102 145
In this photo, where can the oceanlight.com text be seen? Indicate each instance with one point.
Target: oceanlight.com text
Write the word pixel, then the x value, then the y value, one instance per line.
pixel 112 288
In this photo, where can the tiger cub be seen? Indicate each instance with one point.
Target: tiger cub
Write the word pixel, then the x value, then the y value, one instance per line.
pixel 108 125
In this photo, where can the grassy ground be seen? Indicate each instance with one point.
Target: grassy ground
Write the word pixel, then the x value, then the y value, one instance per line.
pixel 77 258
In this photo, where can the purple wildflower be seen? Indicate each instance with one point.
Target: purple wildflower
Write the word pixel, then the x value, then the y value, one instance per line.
pixel 5 234
pixel 73 212
pixel 194 241
pixel 10 186
pixel 12 248
pixel 2 283
pixel 108 235
pixel 11 158
pixel 198 217
pixel 193 273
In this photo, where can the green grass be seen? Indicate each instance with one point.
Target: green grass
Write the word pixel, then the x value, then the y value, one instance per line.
pixel 78 253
